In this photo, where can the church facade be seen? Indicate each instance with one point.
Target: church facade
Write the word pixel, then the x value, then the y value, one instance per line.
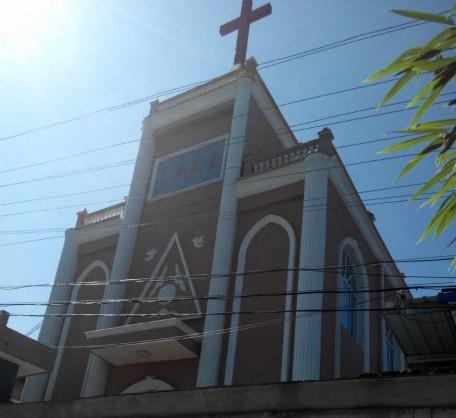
pixel 240 256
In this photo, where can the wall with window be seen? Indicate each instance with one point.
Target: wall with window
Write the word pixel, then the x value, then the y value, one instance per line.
pixel 351 339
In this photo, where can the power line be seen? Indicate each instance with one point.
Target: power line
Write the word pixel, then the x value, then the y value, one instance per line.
pixel 193 314
pixel 205 333
pixel 316 208
pixel 136 300
pixel 367 109
pixel 366 117
pixel 105 110
pixel 123 163
pixel 117 144
pixel 310 208
pixel 206 276
pixel 35 328
pixel 336 44
pixel 132 161
pixel 263 65
pixel 11 203
pixel 36 199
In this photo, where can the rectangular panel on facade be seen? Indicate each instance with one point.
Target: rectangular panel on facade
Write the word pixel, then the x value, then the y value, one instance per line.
pixel 188 169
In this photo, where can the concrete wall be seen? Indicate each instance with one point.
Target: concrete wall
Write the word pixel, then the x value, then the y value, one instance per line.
pixel 398 397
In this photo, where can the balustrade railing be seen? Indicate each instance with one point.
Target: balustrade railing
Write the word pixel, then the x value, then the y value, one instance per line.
pixel 111 212
pixel 288 157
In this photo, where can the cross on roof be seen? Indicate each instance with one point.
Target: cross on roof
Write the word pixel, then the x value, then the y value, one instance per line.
pixel 242 25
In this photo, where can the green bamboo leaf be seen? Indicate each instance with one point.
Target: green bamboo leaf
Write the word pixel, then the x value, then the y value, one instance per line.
pixel 445 221
pixel 417 130
pixel 428 86
pixel 419 157
pixel 444 156
pixel 434 65
pixel 449 184
pixel 394 67
pixel 439 124
pixel 408 143
pixel 443 36
pixel 425 106
pixel 430 17
pixel 397 87
pixel 410 164
pixel 434 180
pixel 438 215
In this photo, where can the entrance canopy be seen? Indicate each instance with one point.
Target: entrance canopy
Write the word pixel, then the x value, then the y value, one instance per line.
pixel 154 341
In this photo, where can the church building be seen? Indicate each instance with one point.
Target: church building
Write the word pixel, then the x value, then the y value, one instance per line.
pixel 240 256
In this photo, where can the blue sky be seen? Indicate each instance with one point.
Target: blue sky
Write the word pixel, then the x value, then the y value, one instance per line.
pixel 71 57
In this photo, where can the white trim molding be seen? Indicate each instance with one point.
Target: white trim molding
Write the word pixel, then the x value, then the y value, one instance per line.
pixel 307 341
pixel 67 323
pixel 35 386
pixel 238 287
pixel 364 303
pixel 98 369
pixel 211 350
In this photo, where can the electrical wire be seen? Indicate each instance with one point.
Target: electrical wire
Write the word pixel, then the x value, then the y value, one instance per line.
pixel 335 269
pixel 235 296
pixel 198 335
pixel 261 65
pixel 162 222
pixel 193 314
pixel 117 144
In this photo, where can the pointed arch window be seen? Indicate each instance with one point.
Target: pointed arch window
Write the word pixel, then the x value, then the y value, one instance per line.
pixel 389 351
pixel 349 299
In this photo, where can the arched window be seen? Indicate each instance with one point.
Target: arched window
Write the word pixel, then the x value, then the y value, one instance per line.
pixel 148 384
pixel 349 300
pixel 350 317
pixel 389 351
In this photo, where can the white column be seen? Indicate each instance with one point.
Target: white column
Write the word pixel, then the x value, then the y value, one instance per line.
pixel 382 320
pixel 35 386
pixel 307 343
pixel 209 365
pixel 97 369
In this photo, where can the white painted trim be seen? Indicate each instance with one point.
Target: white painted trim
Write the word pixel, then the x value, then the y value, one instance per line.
pixel 148 384
pixel 219 138
pixel 211 349
pixel 35 386
pixel 173 241
pixel 67 324
pixel 239 283
pixel 312 250
pixel 353 244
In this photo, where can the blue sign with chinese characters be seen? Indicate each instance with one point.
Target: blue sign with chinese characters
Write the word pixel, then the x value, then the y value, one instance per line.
pixel 188 169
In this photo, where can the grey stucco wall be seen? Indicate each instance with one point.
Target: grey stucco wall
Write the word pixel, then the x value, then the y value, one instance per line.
pixel 398 397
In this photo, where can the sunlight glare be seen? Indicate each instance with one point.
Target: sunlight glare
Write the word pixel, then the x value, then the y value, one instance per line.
pixel 28 27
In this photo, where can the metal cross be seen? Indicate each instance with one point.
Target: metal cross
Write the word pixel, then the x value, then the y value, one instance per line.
pixel 242 25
